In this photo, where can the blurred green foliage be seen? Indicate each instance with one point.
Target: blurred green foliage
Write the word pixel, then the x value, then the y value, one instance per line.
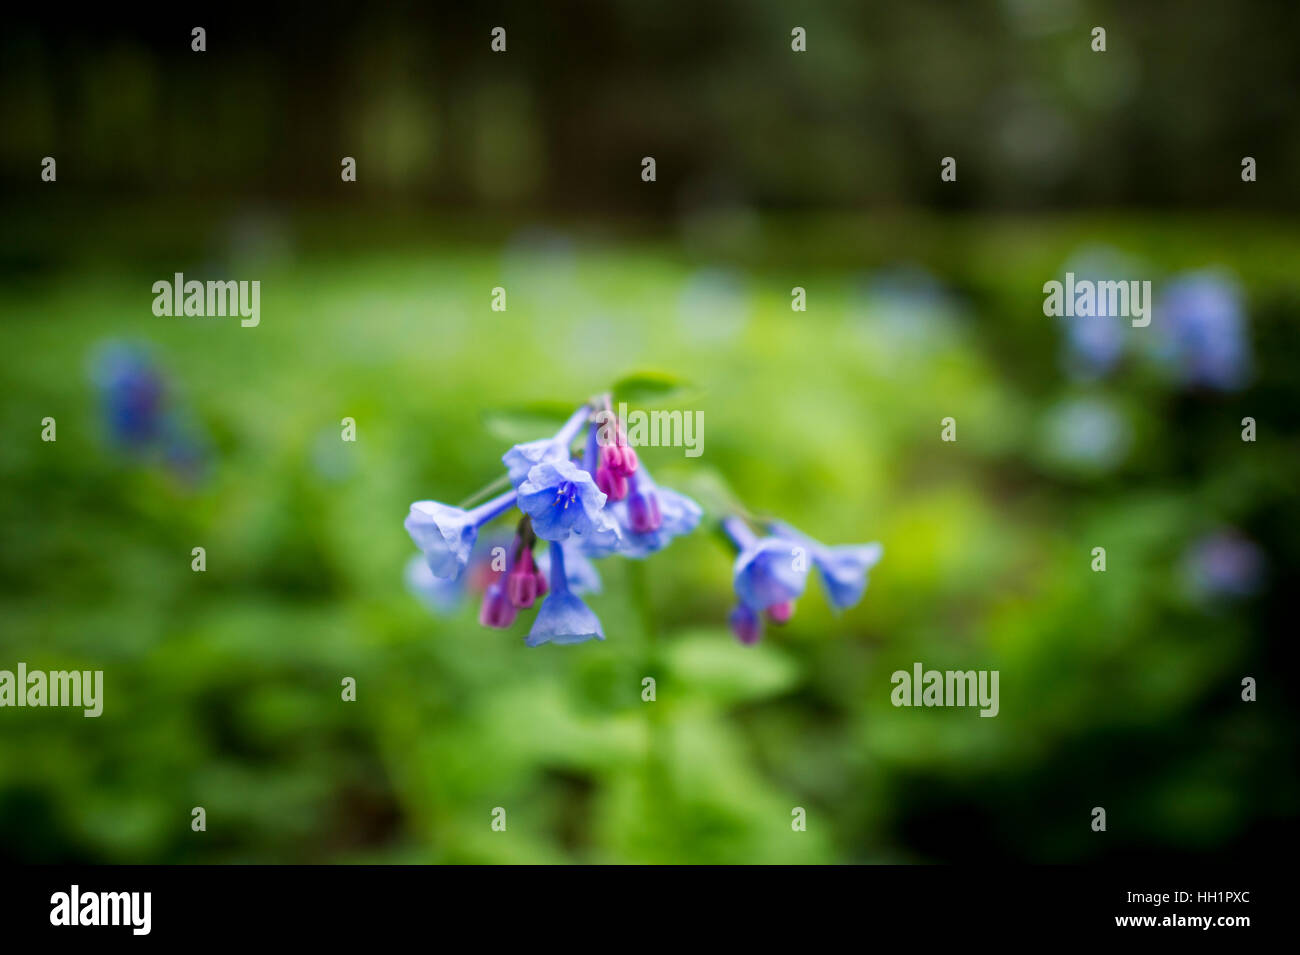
pixel 223 688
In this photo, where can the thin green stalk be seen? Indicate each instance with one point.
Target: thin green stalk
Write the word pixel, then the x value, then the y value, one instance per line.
pixel 483 493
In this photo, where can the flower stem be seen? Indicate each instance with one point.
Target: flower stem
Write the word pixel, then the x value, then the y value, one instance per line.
pixel 499 484
pixel 493 508
pixel 559 576
pixel 740 533
pixel 571 427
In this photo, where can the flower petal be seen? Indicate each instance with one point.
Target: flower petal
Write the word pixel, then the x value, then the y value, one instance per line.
pixel 564 618
pixel 522 458
pixel 584 514
pixel 843 571
pixel 771 571
pixel 445 534
pixel 442 595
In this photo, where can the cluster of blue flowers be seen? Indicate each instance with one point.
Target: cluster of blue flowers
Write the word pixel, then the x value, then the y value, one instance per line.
pixel 599 501
pixel 771 571
pixel 1199 336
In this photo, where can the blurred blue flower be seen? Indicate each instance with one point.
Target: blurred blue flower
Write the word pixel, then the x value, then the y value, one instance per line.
pixel 131 394
pixel 843 570
pixel 1223 564
pixel 1202 323
pixel 447 534
pixel 563 617
pixel 1095 344
pixel 906 310
pixel 1085 434
pixel 442 595
pixel 769 570
pixel 140 416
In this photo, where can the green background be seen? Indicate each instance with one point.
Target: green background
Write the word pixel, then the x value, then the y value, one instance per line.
pixel 222 689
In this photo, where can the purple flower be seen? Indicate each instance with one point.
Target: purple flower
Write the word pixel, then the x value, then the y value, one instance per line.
pixel 843 570
pixel 444 595
pixel 647 519
pixel 1094 344
pixel 563 617
pixel 131 392
pixel 769 570
pixel 522 458
pixel 1223 564
pixel 562 499
pixel 1203 324
pixel 141 415
pixel 447 534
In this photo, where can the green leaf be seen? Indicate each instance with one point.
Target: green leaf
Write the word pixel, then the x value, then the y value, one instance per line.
pixel 709 663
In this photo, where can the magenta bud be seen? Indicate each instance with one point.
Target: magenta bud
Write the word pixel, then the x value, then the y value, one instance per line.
pixel 521 582
pixel 496 610
pixel 629 461
pixel 620 459
pixel 613 485
pixel 782 612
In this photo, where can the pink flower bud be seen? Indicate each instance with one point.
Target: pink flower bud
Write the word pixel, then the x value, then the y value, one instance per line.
pixel 496 610
pixel 781 613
